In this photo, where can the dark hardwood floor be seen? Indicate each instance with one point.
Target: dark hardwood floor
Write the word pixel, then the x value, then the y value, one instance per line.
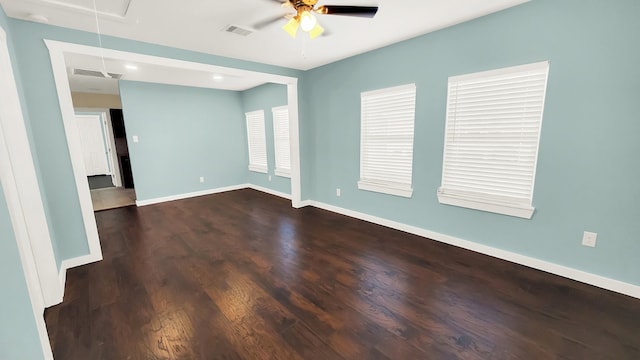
pixel 242 275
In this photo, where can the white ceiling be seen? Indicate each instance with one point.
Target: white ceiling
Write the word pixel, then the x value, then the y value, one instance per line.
pixel 197 24
pixel 147 73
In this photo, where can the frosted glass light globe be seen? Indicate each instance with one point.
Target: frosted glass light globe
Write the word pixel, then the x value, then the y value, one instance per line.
pixel 307 21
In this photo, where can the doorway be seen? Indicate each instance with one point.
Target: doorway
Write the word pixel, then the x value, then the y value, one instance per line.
pixel 57 52
pixel 96 150
pixel 122 193
pixel 105 153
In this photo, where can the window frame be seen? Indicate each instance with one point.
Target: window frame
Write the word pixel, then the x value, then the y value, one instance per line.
pixel 255 164
pixel 516 206
pixel 281 170
pixel 404 188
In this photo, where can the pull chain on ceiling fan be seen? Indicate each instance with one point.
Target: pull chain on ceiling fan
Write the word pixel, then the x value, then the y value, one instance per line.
pixel 306 20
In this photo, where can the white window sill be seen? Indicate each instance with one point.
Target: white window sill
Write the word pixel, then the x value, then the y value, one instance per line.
pixel 525 212
pixel 258 168
pixel 283 173
pixel 397 190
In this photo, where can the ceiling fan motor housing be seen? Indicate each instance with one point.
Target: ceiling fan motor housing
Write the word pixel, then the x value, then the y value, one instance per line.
pixel 308 2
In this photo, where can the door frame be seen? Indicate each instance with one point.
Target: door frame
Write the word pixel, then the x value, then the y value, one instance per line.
pixel 105 162
pixel 20 229
pixel 24 201
pixel 116 174
pixel 57 51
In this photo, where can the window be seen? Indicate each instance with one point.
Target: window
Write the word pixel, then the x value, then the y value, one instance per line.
pixel 281 140
pixel 386 143
pixel 257 141
pixel 491 139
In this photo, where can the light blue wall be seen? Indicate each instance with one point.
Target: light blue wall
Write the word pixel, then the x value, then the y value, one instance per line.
pixel 195 132
pixel 307 139
pixel 18 332
pixel 588 175
pixel 5 23
pixel 184 133
pixel 266 97
pixel 45 121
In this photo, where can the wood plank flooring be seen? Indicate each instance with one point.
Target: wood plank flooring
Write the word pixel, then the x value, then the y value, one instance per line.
pixel 242 275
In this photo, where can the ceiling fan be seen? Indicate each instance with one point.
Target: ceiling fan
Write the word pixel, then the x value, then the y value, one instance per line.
pixel 305 19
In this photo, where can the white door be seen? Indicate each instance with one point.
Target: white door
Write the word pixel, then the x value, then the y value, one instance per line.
pixel 93 144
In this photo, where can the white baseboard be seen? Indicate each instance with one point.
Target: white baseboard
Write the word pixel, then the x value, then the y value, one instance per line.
pixel 90 258
pixel 71 263
pixel 564 271
pixel 560 270
pixel 212 191
pixel 304 203
pixel 189 195
pixel 269 191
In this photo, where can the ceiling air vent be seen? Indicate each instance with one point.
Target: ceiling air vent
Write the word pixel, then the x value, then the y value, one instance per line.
pixel 234 29
pixel 95 73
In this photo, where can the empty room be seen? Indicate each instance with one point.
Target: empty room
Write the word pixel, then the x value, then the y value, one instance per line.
pixel 315 179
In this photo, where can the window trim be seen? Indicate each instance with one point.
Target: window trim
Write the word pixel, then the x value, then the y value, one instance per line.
pixel 280 171
pixel 525 212
pixel 253 166
pixel 386 187
pixel 395 189
pixel 485 202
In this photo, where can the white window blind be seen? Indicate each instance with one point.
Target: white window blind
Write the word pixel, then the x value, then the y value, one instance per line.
pixel 257 142
pixel 491 139
pixel 386 143
pixel 281 140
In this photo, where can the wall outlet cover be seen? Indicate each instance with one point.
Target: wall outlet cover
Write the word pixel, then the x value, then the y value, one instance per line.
pixel 589 239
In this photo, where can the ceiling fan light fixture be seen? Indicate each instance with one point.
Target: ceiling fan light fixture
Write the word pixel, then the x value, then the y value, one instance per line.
pixel 291 27
pixel 307 21
pixel 316 31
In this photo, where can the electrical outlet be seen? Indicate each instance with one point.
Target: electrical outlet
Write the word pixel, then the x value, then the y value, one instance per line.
pixel 135 138
pixel 201 179
pixel 589 239
pixel 269 177
pixel 338 192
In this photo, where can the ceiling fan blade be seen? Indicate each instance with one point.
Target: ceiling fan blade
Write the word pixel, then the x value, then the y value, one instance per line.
pixel 347 10
pixel 283 3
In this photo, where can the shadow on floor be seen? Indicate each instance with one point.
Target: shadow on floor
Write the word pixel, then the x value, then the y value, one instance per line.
pixel 100 182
